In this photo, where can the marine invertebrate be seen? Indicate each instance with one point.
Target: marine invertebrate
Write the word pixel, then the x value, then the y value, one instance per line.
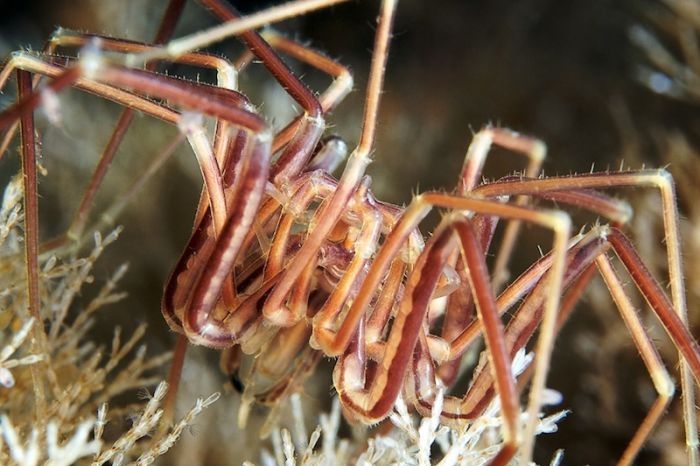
pixel 249 277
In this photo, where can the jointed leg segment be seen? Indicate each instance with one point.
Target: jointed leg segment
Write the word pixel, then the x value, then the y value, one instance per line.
pixel 256 294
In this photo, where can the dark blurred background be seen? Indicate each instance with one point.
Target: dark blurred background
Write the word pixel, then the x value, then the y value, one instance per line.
pixel 562 71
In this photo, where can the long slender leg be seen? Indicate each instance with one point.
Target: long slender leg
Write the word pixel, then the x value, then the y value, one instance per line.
pixel 330 98
pixel 493 327
pixel 233 161
pixel 232 28
pixel 174 378
pixel 533 149
pixel 202 101
pixel 210 163
pixel 525 320
pixel 663 181
pixel 523 323
pixel 245 202
pixel 298 151
pixel 31 240
pixel 308 187
pixel 226 77
pixel 189 94
pixel 456 410
pixel 333 342
pixel 570 299
pixel 342 78
pixel 295 157
pixel 179 92
pixel 390 296
pixel 165 31
pixel 619 212
pixel 460 303
pixel 371 402
pixel 226 73
pixel 462 332
pixel 560 224
pixel 208 288
pixel 654 294
pixel 422 283
pixel 374 401
pixel 460 306
pixel 31 202
pixel 248 164
pixel 354 170
pixel 660 377
pixel 256 166
pixel 62 78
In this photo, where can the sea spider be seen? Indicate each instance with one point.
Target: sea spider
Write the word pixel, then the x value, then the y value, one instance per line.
pixel 285 257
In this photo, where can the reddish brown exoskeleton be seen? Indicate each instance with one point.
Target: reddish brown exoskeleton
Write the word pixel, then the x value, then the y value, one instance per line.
pixel 288 263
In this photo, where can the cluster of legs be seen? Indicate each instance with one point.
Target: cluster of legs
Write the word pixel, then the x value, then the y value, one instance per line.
pixel 288 263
